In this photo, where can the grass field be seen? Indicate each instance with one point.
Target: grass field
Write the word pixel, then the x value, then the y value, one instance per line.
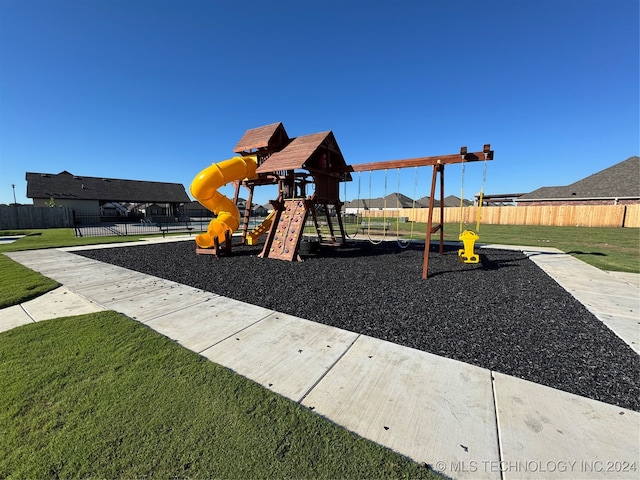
pixel 55 237
pixel 19 284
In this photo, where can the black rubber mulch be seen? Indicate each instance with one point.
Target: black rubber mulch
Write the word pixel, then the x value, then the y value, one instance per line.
pixel 504 314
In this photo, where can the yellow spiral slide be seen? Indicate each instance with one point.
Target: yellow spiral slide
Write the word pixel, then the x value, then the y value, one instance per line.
pixel 205 187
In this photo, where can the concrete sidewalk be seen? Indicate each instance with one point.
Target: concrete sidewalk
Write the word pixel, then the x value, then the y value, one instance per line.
pixel 464 421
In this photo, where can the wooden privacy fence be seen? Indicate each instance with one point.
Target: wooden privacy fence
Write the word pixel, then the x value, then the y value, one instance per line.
pixel 16 217
pixel 557 215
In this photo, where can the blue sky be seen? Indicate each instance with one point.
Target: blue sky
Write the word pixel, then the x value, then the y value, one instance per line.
pixel 158 90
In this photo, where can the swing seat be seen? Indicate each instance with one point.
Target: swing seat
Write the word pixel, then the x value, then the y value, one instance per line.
pixel 466 254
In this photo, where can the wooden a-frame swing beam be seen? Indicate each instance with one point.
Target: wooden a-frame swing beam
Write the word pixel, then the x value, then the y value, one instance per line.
pixel 438 163
pixel 463 156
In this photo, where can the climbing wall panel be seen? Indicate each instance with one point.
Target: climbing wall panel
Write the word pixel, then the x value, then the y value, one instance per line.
pixel 289 231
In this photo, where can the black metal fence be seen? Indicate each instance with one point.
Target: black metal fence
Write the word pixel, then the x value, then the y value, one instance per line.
pixel 99 226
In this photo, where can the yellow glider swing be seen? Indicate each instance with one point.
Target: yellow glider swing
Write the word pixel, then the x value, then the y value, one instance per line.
pixel 469 237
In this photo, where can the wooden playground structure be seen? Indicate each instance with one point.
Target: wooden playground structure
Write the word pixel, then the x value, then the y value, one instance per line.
pixel 295 164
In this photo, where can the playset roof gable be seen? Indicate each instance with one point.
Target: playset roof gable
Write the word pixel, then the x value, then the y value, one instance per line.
pixel 270 137
pixel 301 149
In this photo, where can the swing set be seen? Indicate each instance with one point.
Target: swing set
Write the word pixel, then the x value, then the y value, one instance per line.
pixel 438 163
pixel 369 225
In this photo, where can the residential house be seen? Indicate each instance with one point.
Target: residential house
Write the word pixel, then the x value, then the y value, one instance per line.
pixel 97 195
pixel 616 185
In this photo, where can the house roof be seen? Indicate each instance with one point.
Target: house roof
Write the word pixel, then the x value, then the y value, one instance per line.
pixel 302 153
pixel 398 200
pixel 452 201
pixel 617 181
pixel 395 199
pixel 272 137
pixel 449 201
pixel 391 201
pixel 65 185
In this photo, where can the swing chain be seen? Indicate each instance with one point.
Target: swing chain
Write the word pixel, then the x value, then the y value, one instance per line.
pixel 358 204
pixel 413 204
pixel 480 199
pixel 462 194
pixel 398 207
pixel 406 243
pixel 384 211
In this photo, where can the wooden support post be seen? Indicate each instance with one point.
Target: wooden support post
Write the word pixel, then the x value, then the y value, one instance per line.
pixel 278 206
pixel 442 210
pixel 329 223
pixel 236 191
pixel 311 207
pixel 340 224
pixel 217 249
pixel 247 214
pixel 427 244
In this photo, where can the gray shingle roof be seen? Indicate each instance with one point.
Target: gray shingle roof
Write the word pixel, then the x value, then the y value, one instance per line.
pixel 69 186
pixel 450 201
pixel 620 180
pixel 391 201
pixel 453 201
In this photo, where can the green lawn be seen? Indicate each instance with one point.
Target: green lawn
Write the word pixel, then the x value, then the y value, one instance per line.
pixel 56 237
pixel 103 396
pixel 19 284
